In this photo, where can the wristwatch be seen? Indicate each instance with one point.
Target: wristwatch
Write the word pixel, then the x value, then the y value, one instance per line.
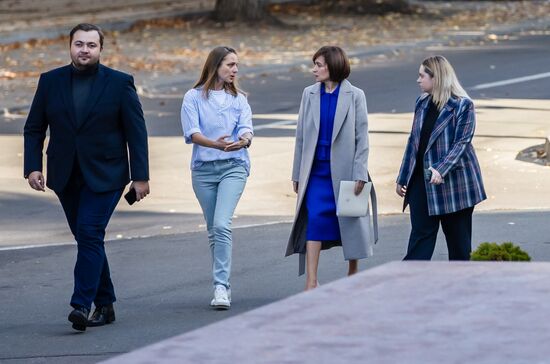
pixel 249 142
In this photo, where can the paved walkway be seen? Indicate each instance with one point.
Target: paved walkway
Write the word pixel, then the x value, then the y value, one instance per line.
pixel 499 137
pixel 401 312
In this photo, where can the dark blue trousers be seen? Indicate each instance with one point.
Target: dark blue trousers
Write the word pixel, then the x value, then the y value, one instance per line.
pixel 88 214
pixel 457 226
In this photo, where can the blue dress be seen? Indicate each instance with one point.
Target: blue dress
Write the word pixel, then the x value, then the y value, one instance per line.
pixel 322 222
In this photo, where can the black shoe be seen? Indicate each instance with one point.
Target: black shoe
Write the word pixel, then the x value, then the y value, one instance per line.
pixel 79 318
pixel 102 315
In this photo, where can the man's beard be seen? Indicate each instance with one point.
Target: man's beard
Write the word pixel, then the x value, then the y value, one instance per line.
pixel 86 66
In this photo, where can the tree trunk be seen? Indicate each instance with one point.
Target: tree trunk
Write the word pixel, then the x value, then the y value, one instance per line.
pixel 246 10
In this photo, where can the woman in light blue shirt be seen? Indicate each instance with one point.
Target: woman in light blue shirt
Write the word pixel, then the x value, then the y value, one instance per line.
pixel 217 119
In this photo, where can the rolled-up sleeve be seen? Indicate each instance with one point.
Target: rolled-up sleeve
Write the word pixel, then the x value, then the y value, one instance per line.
pixel 190 115
pixel 244 124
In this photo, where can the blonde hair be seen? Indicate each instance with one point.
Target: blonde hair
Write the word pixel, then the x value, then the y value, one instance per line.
pixel 209 73
pixel 445 82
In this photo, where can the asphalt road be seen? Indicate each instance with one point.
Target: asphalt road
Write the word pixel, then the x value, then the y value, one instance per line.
pixel 163 282
pixel 390 85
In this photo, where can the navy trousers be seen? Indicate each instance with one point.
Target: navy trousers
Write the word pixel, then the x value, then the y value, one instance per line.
pixel 88 214
pixel 457 226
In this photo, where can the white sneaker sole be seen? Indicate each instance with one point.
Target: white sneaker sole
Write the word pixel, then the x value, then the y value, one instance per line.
pixel 220 305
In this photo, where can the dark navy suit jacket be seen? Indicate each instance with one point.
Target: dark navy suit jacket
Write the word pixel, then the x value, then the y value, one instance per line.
pixel 113 128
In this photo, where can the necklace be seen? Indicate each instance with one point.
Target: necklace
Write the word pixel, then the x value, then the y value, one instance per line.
pixel 330 90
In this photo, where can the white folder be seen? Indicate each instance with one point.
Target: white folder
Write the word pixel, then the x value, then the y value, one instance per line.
pixel 349 204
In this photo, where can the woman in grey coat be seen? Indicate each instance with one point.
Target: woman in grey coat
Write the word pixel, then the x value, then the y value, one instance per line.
pixel 331 146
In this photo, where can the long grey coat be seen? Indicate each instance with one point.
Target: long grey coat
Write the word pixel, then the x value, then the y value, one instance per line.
pixel 348 162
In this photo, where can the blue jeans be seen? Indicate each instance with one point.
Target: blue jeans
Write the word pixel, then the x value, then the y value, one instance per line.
pixel 218 186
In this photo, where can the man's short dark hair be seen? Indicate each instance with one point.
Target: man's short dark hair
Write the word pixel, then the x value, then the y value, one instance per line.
pixel 337 62
pixel 86 27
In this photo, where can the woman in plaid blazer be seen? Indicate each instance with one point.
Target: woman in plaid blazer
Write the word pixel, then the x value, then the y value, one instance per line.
pixel 440 177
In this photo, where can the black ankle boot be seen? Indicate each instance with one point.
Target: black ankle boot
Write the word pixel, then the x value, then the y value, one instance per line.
pixel 79 318
pixel 102 315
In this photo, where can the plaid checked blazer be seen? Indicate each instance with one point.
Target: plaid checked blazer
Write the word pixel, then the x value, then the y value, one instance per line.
pixel 450 152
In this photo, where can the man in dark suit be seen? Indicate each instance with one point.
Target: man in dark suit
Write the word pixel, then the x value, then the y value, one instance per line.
pixel 96 122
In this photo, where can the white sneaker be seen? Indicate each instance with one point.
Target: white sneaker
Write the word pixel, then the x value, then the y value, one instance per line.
pixel 221 298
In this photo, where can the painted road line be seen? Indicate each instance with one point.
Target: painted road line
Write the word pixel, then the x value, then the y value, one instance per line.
pixel 201 229
pixel 21 247
pixel 274 124
pixel 276 116
pixel 510 81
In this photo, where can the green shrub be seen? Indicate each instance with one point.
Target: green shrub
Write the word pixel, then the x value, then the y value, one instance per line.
pixel 504 252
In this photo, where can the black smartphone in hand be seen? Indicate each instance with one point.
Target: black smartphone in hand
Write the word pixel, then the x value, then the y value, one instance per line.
pixel 428 174
pixel 130 196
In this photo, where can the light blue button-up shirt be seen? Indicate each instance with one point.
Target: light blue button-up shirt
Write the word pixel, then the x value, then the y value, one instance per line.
pixel 213 119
